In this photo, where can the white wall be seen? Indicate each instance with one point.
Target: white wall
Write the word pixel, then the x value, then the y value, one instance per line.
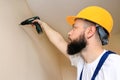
pixel 24 55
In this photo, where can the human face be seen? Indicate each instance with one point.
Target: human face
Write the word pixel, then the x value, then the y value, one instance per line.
pixel 77 38
pixel 78 28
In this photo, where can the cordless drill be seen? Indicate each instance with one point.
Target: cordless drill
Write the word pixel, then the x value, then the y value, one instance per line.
pixel 30 21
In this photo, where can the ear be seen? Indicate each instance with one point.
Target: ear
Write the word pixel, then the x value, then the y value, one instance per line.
pixel 90 31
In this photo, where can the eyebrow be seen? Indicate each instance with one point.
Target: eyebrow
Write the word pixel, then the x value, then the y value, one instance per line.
pixel 73 25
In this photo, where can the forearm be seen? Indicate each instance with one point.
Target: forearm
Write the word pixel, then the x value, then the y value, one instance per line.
pixel 55 38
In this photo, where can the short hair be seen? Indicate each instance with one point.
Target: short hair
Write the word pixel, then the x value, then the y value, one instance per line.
pixel 87 22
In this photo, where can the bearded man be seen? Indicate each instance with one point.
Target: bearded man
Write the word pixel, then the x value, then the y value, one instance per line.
pixel 91 29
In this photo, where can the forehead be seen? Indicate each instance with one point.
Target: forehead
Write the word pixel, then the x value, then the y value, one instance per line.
pixel 78 22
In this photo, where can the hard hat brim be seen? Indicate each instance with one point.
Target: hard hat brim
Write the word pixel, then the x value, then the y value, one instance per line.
pixel 71 19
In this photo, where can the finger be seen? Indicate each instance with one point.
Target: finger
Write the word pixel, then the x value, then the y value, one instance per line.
pixel 36 20
pixel 33 25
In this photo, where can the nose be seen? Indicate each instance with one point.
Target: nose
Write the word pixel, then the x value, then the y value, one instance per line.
pixel 69 33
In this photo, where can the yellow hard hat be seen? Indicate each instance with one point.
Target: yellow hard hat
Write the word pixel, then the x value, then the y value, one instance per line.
pixel 95 14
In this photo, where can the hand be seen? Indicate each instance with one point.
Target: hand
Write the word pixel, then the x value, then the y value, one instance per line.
pixel 40 22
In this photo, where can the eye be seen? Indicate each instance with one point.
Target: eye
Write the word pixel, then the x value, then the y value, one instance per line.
pixel 74 28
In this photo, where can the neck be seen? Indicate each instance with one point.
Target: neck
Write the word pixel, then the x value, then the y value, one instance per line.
pixel 91 53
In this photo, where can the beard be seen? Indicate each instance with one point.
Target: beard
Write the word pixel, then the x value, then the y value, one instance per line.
pixel 76 45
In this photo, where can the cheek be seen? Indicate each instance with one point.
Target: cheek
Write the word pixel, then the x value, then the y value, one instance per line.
pixel 74 35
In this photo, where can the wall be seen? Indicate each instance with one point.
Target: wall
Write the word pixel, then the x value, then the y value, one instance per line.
pixel 114 44
pixel 24 55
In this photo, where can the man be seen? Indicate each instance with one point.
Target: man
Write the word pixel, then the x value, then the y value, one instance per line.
pixel 91 30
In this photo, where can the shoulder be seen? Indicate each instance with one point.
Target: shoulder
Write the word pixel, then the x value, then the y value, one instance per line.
pixel 114 58
pixel 113 62
pixel 112 66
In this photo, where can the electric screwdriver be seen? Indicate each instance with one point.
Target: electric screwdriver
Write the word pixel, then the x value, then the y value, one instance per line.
pixel 30 21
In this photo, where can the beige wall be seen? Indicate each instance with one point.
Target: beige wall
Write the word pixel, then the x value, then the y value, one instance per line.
pixel 23 54
pixel 114 43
